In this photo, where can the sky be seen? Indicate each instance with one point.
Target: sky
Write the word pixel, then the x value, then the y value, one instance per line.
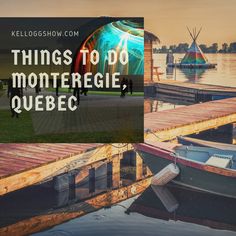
pixel 167 19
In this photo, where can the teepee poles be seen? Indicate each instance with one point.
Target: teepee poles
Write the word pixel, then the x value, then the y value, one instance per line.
pixel 190 33
pixel 194 34
pixel 198 33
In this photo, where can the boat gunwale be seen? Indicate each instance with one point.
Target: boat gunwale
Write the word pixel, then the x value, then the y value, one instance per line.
pixel 167 154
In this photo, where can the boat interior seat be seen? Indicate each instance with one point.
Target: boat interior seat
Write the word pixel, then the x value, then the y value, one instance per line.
pixel 219 160
pixel 209 156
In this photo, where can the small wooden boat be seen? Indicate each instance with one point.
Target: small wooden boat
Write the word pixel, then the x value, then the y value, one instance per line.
pixel 203 168
pixel 204 143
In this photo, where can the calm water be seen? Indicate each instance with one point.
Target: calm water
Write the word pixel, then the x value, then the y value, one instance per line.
pixel 114 221
pixel 194 213
pixel 120 205
pixel 223 74
pixel 146 215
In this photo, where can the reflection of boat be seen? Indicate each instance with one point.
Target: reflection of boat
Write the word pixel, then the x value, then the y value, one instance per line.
pixel 194 207
pixel 208 169
pixel 204 143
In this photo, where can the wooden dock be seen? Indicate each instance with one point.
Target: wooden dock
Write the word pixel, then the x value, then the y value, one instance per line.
pixel 168 124
pixel 193 93
pixel 22 165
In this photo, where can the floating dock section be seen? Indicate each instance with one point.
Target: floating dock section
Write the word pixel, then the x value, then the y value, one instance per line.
pixel 167 125
pixel 193 93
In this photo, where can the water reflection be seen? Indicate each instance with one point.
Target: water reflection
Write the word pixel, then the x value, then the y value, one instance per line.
pixel 191 74
pixel 160 103
pixel 170 72
pixel 180 204
pixel 40 207
pixel 109 203
pixel 224 74
pixel 102 212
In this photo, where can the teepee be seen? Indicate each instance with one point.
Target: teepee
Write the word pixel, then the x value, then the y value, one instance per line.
pixel 194 55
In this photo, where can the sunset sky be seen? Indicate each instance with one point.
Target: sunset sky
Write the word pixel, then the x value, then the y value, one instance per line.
pixel 167 19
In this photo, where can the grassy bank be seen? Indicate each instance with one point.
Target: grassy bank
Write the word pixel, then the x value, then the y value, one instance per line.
pixel 15 130
pixel 21 130
pixel 2 91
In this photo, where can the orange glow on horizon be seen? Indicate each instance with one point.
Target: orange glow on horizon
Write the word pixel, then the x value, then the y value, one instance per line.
pixel 166 19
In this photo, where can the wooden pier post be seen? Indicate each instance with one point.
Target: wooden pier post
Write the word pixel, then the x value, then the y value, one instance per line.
pixel 136 161
pixel 139 167
pixel 101 177
pixel 113 172
pixel 234 133
pixel 62 198
pixel 92 180
pixel 61 182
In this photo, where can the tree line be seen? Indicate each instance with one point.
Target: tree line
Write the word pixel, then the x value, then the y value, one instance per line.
pixel 183 47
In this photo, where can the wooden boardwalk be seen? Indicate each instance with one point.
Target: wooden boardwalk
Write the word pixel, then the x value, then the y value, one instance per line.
pixel 193 92
pixel 169 124
pixel 22 165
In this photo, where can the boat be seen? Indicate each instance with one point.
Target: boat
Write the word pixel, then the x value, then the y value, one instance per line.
pixel 196 207
pixel 207 169
pixel 203 143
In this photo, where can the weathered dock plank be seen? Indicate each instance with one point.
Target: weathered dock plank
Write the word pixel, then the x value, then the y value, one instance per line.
pixel 22 165
pixel 190 119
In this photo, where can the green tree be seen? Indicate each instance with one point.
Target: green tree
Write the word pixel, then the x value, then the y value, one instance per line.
pixel 172 48
pixel 164 49
pixel 203 47
pixel 225 48
pixel 214 47
pixel 232 47
pixel 182 48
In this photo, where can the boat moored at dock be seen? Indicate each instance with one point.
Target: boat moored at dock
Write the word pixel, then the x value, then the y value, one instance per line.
pixel 207 169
